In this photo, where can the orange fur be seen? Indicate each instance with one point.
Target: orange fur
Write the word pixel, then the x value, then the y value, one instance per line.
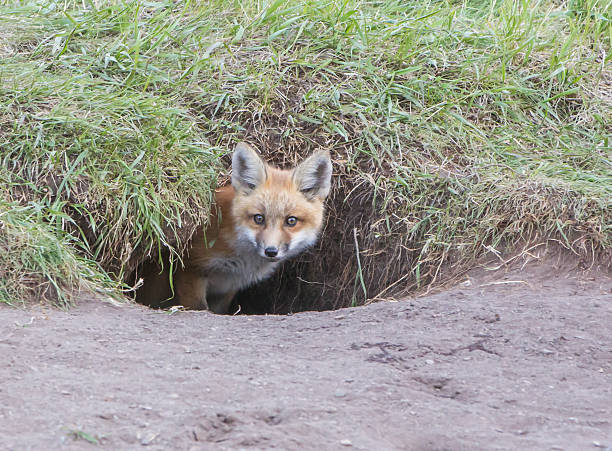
pixel 235 251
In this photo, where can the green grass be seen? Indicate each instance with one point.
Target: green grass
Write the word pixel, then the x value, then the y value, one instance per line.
pixel 40 262
pixel 455 127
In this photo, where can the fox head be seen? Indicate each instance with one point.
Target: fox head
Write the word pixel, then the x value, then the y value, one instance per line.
pixel 278 213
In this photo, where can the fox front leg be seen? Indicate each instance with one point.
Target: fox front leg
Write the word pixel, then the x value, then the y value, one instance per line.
pixel 221 303
pixel 191 290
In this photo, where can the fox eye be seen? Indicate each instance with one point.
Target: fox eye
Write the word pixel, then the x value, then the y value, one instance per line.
pixel 259 219
pixel 291 221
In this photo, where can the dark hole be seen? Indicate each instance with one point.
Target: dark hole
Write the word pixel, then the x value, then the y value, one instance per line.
pixel 285 292
pixel 155 290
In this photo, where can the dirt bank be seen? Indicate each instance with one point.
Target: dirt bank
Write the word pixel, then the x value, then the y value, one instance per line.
pixel 515 360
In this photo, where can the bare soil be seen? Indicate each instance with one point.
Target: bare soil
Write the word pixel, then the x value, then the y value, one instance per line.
pixel 519 359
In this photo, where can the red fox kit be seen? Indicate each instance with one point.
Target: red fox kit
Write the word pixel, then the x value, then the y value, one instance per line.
pixel 265 216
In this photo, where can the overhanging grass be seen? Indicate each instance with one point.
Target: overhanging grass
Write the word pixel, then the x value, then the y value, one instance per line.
pixel 454 127
pixel 40 262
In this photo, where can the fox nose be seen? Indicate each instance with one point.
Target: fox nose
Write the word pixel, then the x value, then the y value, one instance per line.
pixel 271 251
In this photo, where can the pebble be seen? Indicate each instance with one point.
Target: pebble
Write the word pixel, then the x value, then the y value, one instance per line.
pixel 148 439
pixel 346 442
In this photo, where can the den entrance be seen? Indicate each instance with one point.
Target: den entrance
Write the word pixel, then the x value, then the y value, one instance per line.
pixel 288 291
pixel 348 266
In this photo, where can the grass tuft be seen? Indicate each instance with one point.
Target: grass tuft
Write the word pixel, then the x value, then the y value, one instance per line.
pixel 41 263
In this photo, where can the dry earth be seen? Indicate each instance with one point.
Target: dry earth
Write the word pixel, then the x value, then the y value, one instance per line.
pixel 520 359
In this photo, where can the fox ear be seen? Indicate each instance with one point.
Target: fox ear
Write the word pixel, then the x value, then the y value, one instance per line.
pixel 248 169
pixel 313 175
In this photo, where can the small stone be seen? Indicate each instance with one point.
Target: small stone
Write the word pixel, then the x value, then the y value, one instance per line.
pixel 340 394
pixel 346 442
pixel 148 439
pixel 429 362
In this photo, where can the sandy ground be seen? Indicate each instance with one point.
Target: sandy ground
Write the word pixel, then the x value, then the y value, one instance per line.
pixel 514 360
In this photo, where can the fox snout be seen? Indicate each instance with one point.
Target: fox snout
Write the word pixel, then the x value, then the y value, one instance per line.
pixel 271 244
pixel 271 251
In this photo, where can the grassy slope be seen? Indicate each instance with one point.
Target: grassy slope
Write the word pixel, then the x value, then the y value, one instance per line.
pixel 463 127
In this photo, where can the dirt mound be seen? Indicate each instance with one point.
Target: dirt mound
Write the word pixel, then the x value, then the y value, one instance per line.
pixel 515 360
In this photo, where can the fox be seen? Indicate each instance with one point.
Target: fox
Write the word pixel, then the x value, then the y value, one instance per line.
pixel 264 217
